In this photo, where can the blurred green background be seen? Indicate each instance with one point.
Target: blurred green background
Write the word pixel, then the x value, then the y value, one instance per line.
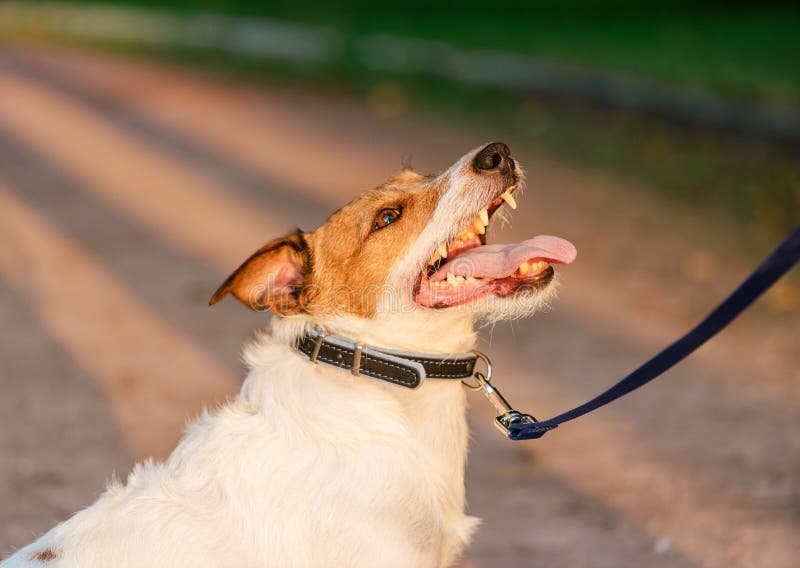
pixel 742 50
pixel 743 54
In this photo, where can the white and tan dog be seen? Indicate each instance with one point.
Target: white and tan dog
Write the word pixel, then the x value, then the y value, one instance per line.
pixel 311 465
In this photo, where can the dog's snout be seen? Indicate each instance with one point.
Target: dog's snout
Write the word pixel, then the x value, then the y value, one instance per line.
pixel 493 156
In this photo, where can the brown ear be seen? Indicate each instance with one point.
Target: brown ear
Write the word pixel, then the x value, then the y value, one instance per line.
pixel 273 277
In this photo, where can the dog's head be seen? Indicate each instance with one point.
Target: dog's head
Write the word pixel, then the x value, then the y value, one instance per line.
pixel 416 244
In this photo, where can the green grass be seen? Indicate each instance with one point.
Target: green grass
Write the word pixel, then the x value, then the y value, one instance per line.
pixel 738 50
pixel 756 182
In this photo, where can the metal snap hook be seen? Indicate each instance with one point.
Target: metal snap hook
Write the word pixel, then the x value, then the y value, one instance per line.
pixel 485 378
pixel 508 417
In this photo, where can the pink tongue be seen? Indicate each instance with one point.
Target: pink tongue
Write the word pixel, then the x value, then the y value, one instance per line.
pixel 499 261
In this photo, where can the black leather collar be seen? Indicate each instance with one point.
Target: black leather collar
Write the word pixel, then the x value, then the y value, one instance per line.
pixel 397 367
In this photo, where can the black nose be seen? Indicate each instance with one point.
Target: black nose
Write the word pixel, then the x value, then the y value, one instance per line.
pixel 492 156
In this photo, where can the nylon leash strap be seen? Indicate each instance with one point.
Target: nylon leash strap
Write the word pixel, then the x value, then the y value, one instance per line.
pixel 520 426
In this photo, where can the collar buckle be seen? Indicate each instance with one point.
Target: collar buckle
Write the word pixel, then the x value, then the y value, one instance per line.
pixel 317 347
pixel 356 370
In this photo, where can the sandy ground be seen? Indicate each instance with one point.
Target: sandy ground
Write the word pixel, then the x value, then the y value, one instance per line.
pixel 128 190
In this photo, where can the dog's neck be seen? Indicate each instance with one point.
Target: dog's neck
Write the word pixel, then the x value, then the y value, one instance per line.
pixel 435 333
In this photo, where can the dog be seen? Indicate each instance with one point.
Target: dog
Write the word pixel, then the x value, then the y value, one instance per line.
pixel 346 446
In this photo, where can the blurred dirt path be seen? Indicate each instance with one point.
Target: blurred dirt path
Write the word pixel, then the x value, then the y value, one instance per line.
pixel 128 190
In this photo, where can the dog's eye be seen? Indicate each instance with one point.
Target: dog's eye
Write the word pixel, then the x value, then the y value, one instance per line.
pixel 386 217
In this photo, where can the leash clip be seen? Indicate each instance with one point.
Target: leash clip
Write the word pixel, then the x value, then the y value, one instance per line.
pixel 508 416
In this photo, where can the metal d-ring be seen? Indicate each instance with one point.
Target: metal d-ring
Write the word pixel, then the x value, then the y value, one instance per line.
pixel 484 378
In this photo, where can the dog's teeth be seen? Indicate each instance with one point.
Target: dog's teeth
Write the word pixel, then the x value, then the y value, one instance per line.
pixel 484 215
pixel 471 279
pixel 467 234
pixel 454 280
pixel 537 267
pixel 478 224
pixel 442 250
pixel 508 198
pixel 524 267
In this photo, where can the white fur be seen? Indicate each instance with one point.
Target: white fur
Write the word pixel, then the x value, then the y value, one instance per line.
pixel 309 466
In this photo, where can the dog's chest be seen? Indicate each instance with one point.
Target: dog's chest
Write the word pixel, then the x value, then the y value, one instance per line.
pixel 370 455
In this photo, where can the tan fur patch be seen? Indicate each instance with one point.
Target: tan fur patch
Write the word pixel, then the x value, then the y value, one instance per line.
pixel 45 555
pixel 341 267
pixel 405 177
pixel 351 261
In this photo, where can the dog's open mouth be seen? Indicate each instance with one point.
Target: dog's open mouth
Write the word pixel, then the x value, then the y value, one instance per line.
pixel 466 268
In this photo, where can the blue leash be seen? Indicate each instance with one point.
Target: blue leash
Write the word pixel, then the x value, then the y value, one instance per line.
pixel 776 265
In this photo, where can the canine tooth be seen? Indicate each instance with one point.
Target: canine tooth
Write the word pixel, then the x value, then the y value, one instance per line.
pixel 442 250
pixel 450 278
pixel 479 227
pixel 460 279
pixel 508 198
pixel 484 215
pixel 523 268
